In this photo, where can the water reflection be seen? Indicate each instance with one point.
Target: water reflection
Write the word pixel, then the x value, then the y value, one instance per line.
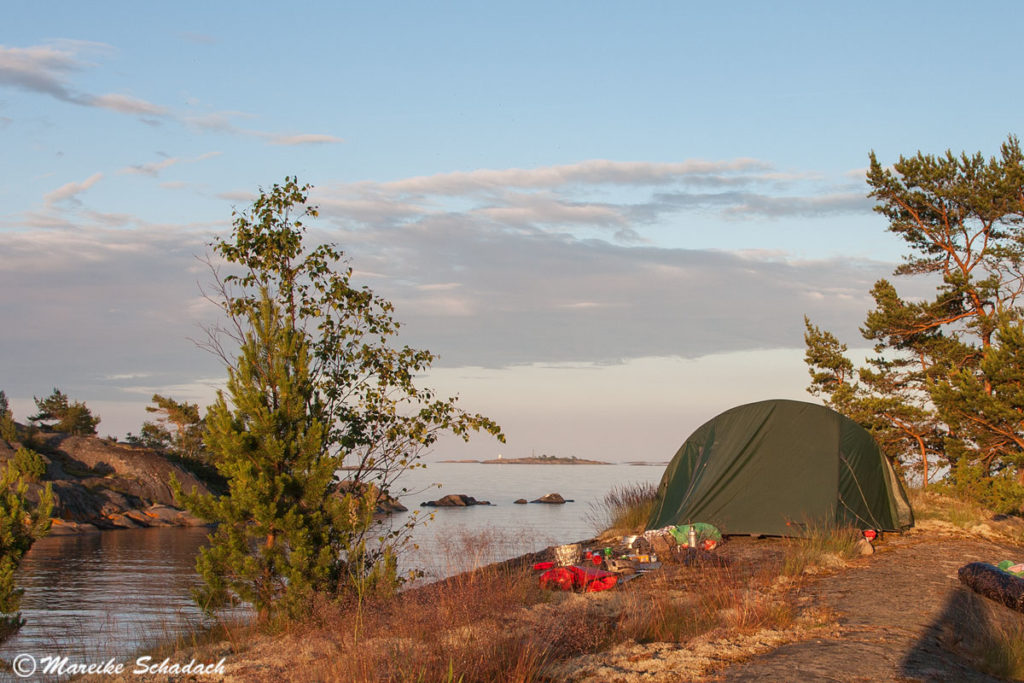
pixel 104 595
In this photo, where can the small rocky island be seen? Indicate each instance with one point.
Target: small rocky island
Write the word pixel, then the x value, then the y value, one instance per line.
pixel 534 460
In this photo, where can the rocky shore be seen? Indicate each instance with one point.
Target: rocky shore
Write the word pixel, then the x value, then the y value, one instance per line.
pixel 100 484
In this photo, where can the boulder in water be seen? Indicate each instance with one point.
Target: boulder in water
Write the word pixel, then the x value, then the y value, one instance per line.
pixel 551 499
pixel 454 500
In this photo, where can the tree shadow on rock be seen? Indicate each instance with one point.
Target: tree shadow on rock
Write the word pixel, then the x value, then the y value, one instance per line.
pixel 972 640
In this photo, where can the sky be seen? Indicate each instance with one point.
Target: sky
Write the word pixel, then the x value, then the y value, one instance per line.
pixel 607 219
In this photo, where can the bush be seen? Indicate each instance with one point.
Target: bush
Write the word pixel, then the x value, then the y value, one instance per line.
pixel 999 492
pixel 28 464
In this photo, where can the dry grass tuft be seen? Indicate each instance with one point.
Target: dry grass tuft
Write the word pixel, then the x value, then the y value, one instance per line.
pixel 928 505
pixel 822 546
pixel 1002 651
pixel 947 513
pixel 624 510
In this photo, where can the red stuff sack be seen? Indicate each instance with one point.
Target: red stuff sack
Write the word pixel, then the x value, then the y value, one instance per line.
pixel 575 578
pixel 602 583
pixel 559 578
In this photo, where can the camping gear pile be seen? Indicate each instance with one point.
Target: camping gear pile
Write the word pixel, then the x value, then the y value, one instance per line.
pixel 683 543
pixel 593 569
pixel 596 569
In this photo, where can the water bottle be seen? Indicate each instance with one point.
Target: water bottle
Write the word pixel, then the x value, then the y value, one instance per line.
pixel 693 537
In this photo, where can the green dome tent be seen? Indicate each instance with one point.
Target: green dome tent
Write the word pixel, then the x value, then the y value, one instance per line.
pixel 778 467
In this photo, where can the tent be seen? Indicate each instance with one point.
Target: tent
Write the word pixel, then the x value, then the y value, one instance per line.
pixel 781 468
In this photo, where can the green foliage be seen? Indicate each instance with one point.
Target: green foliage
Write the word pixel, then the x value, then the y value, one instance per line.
pixel 317 384
pixel 8 429
pixel 21 523
pixel 28 464
pixel 942 394
pixel 941 503
pixel 64 415
pixel 178 429
pixel 999 491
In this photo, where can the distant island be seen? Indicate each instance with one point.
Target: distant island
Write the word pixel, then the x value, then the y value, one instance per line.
pixel 535 460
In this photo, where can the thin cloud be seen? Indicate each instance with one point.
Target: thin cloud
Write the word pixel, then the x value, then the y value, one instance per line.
pixel 592 172
pixel 68 193
pixel 240 196
pixel 750 205
pixel 127 375
pixel 439 287
pixel 198 38
pixel 777 207
pixel 45 70
pixel 216 122
pixel 48 70
pixel 304 139
pixel 41 69
pixel 559 198
pixel 126 104
pixel 154 168
pixel 529 210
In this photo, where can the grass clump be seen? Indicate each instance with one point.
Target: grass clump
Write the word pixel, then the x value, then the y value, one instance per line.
pixel 959 512
pixel 821 546
pixel 985 633
pixel 625 509
pixel 1004 654
pixel 1002 651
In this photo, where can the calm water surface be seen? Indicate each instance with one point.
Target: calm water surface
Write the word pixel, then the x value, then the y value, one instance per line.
pixel 95 596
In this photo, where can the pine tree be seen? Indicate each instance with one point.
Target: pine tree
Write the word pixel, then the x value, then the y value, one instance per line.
pixel 273 545
pixel 178 429
pixel 21 523
pixel 939 391
pixel 65 416
pixel 317 385
pixel 8 429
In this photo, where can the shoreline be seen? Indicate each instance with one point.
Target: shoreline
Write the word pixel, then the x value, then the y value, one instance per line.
pixel 529 461
pixel 550 461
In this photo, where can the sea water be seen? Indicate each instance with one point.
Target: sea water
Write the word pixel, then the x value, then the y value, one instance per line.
pixel 95 596
pixel 460 538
